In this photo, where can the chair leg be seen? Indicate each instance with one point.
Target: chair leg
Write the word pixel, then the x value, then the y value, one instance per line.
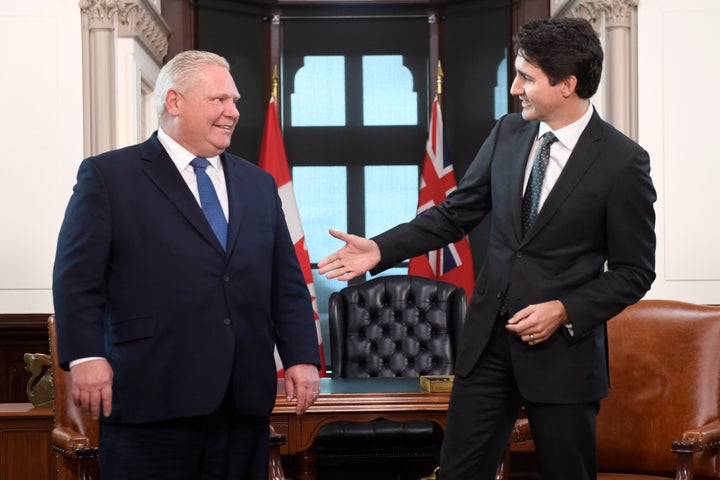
pixel 504 466
pixel 275 470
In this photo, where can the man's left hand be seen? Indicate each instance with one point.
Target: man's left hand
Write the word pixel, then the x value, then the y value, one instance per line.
pixel 535 323
pixel 303 382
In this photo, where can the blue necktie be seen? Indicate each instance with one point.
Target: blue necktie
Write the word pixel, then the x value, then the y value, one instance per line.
pixel 531 199
pixel 209 200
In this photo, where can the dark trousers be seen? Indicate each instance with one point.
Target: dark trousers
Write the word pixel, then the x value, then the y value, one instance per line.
pixel 483 409
pixel 219 446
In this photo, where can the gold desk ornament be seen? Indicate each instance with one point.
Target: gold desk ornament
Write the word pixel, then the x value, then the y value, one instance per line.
pixel 436 383
pixel 39 387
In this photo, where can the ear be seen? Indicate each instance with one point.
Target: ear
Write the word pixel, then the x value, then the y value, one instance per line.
pixel 172 102
pixel 568 85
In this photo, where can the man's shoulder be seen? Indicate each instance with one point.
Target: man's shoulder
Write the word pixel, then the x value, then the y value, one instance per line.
pixel 150 147
pixel 513 124
pixel 236 164
pixel 609 134
pixel 514 120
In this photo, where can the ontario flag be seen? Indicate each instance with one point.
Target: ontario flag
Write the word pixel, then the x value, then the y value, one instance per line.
pixel 452 263
pixel 274 160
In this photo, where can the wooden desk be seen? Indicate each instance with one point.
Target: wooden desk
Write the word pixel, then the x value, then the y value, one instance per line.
pixel 354 400
pixel 25 451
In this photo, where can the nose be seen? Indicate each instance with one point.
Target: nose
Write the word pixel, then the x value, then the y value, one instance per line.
pixel 516 87
pixel 231 110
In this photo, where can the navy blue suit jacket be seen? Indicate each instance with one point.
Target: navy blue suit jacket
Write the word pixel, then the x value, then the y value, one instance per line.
pixel 600 212
pixel 141 280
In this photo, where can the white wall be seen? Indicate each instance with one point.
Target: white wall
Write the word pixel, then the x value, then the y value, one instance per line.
pixel 41 139
pixel 678 70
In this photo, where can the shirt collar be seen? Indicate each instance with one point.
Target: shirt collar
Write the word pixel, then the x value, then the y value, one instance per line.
pixel 180 156
pixel 569 134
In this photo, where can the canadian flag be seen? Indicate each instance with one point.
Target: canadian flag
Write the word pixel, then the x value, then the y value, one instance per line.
pixel 453 263
pixel 274 160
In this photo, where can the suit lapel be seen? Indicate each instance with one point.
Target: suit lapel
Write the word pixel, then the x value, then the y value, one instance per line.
pixel 517 171
pixel 582 157
pixel 236 198
pixel 161 170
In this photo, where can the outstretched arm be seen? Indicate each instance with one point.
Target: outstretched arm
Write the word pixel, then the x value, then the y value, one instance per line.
pixel 357 257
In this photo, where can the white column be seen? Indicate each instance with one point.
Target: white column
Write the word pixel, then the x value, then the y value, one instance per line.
pixel 621 70
pixel 124 42
pixel 616 24
pixel 98 22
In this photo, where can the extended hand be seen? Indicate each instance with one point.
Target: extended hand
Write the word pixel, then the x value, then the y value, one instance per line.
pixel 357 257
pixel 92 387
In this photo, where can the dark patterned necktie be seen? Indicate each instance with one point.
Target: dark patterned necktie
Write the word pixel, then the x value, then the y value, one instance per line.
pixel 209 200
pixel 531 199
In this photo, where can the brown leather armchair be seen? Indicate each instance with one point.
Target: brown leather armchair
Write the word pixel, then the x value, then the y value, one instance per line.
pixel 75 436
pixel 391 326
pixel 662 417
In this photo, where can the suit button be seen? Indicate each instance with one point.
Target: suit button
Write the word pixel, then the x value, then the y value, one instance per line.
pixel 225 278
pixel 226 321
pixel 518 254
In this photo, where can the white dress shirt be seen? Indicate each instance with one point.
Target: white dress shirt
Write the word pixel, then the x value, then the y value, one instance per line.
pixel 182 158
pixel 560 151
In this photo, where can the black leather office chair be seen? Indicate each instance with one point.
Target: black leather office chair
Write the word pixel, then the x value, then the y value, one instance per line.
pixel 392 326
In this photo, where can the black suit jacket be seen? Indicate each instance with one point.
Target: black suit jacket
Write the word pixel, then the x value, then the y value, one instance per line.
pixel 141 279
pixel 599 213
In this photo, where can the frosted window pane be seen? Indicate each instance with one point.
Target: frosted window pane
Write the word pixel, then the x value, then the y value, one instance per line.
pixel 321 195
pixel 501 89
pixel 391 194
pixel 319 93
pixel 393 271
pixel 388 96
pixel 323 289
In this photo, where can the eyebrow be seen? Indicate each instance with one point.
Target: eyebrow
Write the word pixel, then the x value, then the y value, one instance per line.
pixel 523 73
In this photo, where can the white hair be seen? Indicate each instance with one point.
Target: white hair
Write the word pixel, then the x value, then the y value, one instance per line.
pixel 183 71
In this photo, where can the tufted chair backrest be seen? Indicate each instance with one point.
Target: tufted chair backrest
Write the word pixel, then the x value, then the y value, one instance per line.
pixel 396 326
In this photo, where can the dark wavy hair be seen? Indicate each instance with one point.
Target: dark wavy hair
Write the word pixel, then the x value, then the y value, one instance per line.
pixel 563 47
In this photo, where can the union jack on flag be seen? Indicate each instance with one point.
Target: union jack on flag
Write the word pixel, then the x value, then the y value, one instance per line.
pixel 452 263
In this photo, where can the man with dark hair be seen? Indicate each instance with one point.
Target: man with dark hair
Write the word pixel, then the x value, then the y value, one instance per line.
pixel 571 244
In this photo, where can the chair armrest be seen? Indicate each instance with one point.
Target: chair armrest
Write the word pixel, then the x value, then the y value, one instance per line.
pixel 697 440
pixel 71 443
pixel 702 438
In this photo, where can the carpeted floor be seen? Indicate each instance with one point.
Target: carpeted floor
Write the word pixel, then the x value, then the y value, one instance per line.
pixel 523 468
pixel 392 469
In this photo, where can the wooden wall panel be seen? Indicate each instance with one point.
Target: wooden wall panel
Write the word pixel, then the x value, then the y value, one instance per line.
pixel 19 334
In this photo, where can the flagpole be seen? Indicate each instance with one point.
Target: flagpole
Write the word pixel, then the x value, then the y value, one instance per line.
pixel 273 159
pixel 275 84
pixel 440 75
pixel 439 79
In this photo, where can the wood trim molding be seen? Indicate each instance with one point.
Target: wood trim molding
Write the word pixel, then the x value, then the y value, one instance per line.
pixel 24 324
